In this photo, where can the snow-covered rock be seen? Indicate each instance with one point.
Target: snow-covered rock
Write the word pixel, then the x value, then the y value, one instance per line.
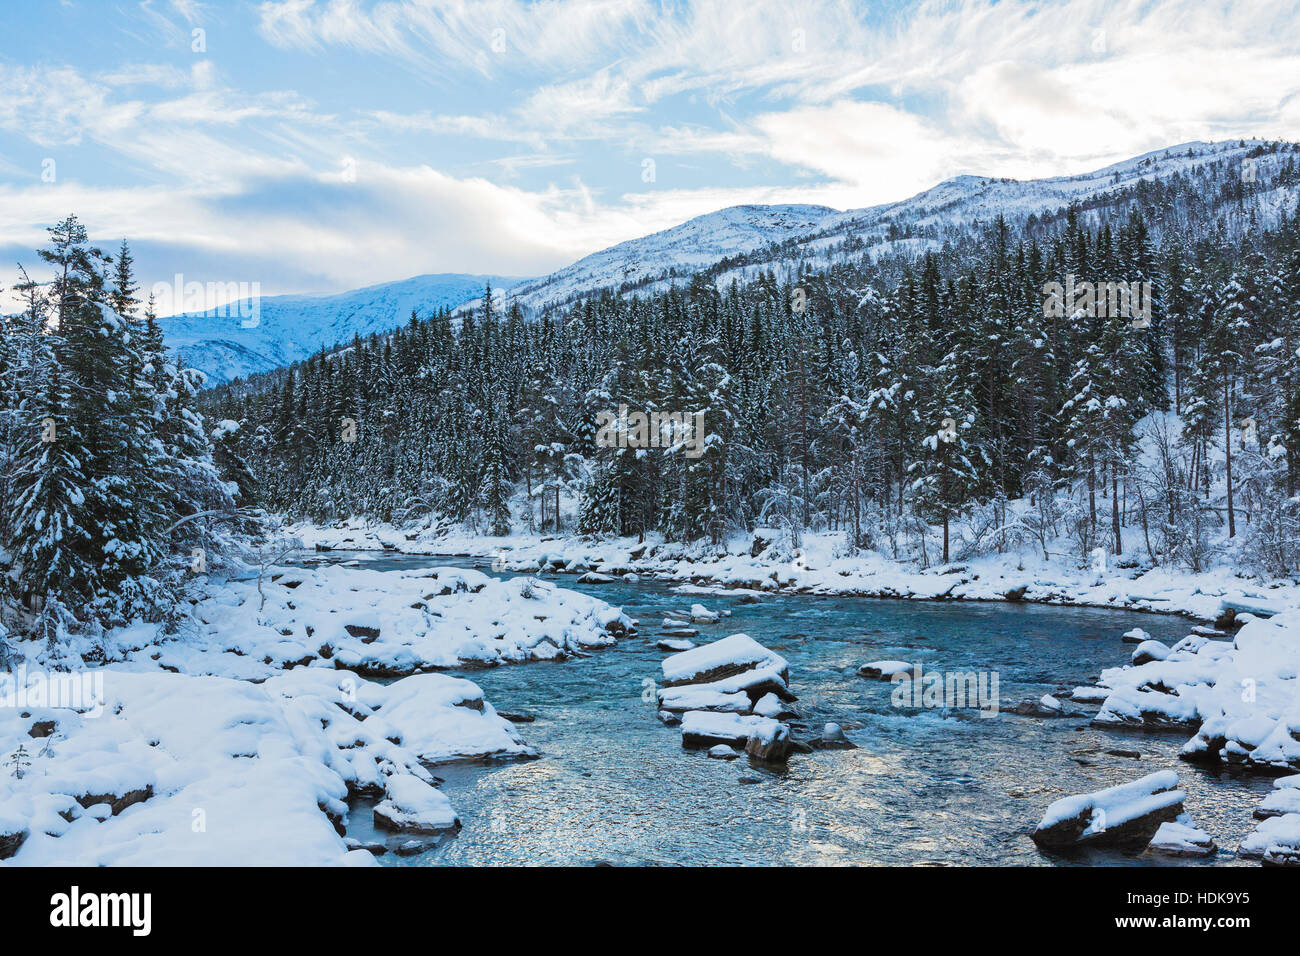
pixel 1125 814
pixel 706 728
pixel 200 770
pixel 833 738
pixel 1180 839
pixel 413 806
pixel 1149 651
pixel 674 644
pixel 1276 841
pixel 887 670
pixel 728 657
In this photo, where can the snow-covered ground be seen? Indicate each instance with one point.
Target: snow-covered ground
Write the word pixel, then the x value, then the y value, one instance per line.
pixel 238 739
pixel 818 567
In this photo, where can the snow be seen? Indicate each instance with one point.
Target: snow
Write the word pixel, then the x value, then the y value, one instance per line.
pixel 1181 839
pixel 379 623
pixel 1276 839
pixel 248 753
pixel 224 343
pixel 1279 802
pixel 1102 812
pixel 810 234
pixel 736 653
pixel 703 697
pixel 414 806
pixel 887 670
pixel 701 569
pixel 1150 651
pixel 726 728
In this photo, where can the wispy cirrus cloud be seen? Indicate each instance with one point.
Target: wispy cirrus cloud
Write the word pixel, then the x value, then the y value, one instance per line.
pixel 322 144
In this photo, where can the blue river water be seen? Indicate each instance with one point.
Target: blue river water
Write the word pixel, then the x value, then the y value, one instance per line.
pixel 926 786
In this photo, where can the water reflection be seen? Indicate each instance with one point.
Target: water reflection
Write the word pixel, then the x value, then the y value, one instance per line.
pixel 925 786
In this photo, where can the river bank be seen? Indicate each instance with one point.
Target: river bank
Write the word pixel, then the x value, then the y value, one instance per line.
pixel 761 564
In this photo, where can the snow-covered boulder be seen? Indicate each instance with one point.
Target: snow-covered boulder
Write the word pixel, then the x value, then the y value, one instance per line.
pixel 1180 839
pixel 1127 814
pixel 728 657
pixel 1149 651
pixel 413 806
pixel 769 742
pixel 702 615
pixel 1135 636
pixel 703 697
pixel 706 728
pixel 833 738
pixel 1276 841
pixel 887 670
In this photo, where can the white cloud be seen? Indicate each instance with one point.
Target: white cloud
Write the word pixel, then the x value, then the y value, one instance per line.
pixel 832 101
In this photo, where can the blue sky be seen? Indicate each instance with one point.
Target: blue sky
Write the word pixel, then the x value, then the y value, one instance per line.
pixel 318 145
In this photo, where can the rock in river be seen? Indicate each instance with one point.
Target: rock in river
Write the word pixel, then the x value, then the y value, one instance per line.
pixel 1124 815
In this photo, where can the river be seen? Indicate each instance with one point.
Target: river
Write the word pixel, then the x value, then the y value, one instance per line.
pixel 925 786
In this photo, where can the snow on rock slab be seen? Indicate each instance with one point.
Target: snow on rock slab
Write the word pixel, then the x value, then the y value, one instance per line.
pixel 1127 814
pixel 887 670
pixel 1279 803
pixel 1275 842
pixel 1135 636
pixel 729 657
pixel 595 577
pixel 413 806
pixel 674 644
pixel 703 697
pixel 1149 651
pixel 702 615
pixel 723 752
pixel 706 728
pixel 1180 839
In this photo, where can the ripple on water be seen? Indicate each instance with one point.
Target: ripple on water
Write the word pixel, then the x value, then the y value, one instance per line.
pixel 925 787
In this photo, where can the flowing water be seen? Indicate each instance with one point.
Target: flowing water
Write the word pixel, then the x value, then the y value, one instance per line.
pixel 925 786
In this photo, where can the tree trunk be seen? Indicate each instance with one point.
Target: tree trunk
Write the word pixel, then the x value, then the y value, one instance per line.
pixel 1114 508
pixel 1227 451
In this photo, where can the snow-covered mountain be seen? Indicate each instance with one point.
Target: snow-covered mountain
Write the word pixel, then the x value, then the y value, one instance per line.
pixel 769 234
pixel 247 337
pixel 733 243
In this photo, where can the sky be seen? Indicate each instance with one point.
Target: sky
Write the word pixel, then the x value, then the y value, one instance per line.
pixel 322 145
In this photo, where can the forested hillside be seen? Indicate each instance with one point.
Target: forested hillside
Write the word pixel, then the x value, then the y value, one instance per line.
pixel 903 399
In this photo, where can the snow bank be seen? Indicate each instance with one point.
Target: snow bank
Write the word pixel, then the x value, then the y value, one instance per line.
pixel 761 564
pixel 376 623
pixel 200 770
